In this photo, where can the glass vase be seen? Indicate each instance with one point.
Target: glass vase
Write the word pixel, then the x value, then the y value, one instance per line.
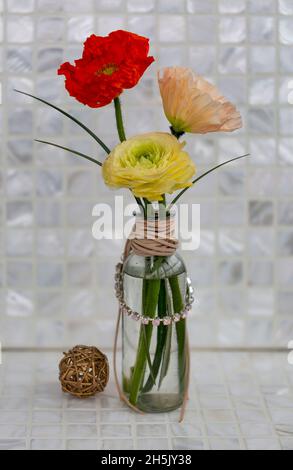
pixel 154 338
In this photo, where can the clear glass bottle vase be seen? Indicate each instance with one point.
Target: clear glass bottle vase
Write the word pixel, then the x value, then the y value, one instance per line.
pixel 155 355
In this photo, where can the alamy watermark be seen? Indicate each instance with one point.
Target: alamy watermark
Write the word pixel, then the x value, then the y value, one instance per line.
pixel 116 223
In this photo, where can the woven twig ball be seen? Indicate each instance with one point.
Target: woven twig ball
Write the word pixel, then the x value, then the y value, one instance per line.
pixel 84 371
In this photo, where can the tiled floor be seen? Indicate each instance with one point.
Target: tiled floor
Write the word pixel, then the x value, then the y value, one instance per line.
pixel 237 401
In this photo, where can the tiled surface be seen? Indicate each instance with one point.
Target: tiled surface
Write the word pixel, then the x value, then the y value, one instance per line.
pixel 237 401
pixel 55 281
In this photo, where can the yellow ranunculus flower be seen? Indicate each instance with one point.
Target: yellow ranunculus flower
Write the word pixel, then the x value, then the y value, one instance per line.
pixel 150 165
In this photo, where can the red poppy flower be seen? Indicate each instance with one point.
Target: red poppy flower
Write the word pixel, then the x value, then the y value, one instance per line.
pixel 108 66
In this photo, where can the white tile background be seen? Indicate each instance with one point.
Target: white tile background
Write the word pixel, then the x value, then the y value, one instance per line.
pixel 55 280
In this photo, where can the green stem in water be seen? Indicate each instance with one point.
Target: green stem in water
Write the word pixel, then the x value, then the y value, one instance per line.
pixel 161 338
pixel 151 291
pixel 166 353
pixel 180 329
pixel 119 120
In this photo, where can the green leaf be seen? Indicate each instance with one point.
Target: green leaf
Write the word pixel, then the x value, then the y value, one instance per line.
pixel 70 150
pixel 201 176
pixel 91 133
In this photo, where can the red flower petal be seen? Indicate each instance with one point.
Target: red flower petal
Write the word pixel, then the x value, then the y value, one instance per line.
pixel 108 65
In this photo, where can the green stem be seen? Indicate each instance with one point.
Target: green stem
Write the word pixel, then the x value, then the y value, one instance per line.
pixel 119 120
pixel 151 291
pixel 161 338
pixel 149 210
pixel 177 134
pixel 141 205
pixel 166 353
pixel 180 329
pixel 122 137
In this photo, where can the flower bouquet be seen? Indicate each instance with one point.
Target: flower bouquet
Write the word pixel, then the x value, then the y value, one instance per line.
pixel 151 282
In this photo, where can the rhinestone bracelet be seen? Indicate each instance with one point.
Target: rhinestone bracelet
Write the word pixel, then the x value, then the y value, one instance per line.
pixel 167 320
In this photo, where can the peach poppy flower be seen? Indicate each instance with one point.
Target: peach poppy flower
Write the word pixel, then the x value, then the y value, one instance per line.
pixel 192 104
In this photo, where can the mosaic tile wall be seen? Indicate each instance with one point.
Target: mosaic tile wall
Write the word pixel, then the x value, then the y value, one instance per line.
pixel 55 280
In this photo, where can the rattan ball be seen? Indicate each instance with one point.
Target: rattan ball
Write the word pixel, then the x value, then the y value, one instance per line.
pixel 84 371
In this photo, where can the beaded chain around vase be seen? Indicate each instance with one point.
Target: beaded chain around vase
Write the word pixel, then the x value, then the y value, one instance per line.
pixel 167 320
